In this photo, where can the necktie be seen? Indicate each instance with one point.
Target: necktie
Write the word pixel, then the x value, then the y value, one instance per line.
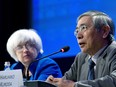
pixel 91 70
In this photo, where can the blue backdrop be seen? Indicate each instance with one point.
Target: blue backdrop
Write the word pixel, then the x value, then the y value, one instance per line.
pixel 55 21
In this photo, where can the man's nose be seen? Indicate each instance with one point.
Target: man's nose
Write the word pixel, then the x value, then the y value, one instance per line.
pixel 79 35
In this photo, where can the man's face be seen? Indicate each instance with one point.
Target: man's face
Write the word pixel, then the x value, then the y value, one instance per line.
pixel 88 37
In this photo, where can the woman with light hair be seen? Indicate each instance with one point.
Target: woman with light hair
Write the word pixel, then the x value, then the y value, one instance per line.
pixel 25 46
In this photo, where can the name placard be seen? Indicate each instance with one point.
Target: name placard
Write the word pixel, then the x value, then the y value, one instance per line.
pixel 11 78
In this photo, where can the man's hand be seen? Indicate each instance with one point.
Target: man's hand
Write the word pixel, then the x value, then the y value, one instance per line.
pixel 59 82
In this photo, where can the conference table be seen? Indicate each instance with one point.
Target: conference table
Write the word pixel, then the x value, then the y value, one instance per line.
pixel 37 83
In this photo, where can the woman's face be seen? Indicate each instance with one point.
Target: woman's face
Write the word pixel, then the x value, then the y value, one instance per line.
pixel 26 53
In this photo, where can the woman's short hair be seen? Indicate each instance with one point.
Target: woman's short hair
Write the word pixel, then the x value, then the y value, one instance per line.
pixel 23 36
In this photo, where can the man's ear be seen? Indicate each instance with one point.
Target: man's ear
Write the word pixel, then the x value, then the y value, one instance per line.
pixel 105 31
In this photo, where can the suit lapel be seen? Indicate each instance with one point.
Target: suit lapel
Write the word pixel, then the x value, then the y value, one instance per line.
pixel 101 63
pixel 99 67
pixel 84 69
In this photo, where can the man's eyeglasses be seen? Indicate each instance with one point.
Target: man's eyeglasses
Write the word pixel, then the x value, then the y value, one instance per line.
pixel 27 46
pixel 81 28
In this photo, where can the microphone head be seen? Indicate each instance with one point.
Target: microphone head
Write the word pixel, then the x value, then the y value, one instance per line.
pixel 64 49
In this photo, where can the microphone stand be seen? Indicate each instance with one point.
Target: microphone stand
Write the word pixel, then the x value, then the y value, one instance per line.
pixel 27 78
pixel 48 55
pixel 64 49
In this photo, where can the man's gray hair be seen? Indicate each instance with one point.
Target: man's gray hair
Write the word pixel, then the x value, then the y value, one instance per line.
pixel 101 19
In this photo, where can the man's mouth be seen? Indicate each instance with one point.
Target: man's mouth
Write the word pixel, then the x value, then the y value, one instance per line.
pixel 81 44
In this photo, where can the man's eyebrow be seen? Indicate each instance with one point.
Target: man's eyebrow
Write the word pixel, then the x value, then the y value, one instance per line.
pixel 80 25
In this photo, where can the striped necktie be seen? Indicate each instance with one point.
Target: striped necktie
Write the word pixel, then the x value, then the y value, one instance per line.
pixel 91 75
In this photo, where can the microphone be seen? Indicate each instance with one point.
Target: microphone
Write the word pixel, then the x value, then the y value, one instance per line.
pixel 64 49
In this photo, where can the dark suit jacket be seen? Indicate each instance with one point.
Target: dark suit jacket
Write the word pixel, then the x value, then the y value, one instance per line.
pixel 105 73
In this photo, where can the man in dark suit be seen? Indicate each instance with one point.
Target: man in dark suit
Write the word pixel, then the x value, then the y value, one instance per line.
pixel 95 36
